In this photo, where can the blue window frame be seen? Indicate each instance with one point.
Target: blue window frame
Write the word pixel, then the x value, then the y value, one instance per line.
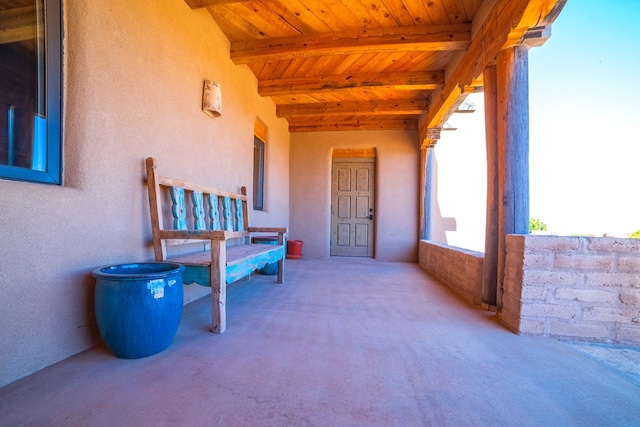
pixel 30 92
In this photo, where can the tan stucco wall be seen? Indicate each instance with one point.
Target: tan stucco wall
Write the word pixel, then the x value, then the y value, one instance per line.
pixel 397 195
pixel 134 72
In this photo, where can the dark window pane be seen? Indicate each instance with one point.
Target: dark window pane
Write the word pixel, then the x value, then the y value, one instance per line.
pixel 258 174
pixel 30 90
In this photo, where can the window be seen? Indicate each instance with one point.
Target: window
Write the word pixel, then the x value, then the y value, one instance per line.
pixel 30 91
pixel 258 174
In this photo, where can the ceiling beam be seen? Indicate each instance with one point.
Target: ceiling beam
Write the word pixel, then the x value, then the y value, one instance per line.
pixel 197 4
pixel 406 39
pixel 316 84
pixel 371 124
pixel 397 107
pixel 507 24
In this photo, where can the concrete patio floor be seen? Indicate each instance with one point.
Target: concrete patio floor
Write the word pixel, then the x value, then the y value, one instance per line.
pixel 343 342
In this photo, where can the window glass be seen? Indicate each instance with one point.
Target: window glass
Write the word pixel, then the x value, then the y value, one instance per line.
pixel 30 143
pixel 258 174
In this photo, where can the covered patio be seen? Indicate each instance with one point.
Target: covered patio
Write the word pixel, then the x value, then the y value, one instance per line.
pixel 374 340
pixel 344 343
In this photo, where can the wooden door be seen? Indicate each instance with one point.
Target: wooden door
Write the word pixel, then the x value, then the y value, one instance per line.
pixel 352 196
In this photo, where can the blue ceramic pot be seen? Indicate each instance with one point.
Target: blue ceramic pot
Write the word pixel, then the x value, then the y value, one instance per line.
pixel 138 306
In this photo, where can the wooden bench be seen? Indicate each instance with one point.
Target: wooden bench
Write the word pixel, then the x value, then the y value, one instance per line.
pixel 218 227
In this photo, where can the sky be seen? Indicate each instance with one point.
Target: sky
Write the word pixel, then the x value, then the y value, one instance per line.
pixel 584 146
pixel 584 96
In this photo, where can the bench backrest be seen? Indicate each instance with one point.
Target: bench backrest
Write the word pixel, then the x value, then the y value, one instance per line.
pixel 192 207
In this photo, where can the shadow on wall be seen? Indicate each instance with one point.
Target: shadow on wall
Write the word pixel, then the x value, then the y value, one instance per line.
pixel 440 225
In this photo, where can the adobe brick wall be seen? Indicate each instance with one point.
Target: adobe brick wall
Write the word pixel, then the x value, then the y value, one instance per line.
pixel 459 269
pixel 574 288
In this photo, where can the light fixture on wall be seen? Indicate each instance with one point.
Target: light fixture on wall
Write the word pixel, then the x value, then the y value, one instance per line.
pixel 212 99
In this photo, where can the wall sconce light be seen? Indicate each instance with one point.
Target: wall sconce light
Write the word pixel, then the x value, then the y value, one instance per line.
pixel 212 99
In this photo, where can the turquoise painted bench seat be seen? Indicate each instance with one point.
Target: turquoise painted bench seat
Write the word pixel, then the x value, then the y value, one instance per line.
pixel 218 225
pixel 242 260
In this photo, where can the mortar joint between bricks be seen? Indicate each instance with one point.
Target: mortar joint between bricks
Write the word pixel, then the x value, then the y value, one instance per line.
pixel 583 246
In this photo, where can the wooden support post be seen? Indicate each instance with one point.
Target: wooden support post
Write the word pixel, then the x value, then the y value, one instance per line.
pixel 423 193
pixel 429 192
pixel 490 274
pixel 513 150
pixel 423 189
pixel 218 286
pixel 426 182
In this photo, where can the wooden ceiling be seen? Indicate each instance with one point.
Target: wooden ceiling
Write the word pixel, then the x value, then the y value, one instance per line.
pixel 374 64
pixel 346 64
pixel 359 64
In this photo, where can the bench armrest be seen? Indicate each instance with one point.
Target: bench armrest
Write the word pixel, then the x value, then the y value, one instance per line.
pixel 200 234
pixel 267 229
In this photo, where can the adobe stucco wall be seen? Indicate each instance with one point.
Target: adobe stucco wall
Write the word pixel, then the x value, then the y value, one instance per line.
pixel 133 88
pixel 397 195
pixel 459 269
pixel 576 288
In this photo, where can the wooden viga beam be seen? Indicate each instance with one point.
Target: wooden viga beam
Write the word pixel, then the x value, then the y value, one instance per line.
pixel 392 107
pixel 378 123
pixel 406 39
pixel 508 23
pixel 405 81
pixel 197 4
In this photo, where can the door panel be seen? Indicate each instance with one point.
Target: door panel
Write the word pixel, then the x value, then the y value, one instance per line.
pixel 344 231
pixel 362 235
pixel 344 180
pixel 344 207
pixel 362 207
pixel 362 179
pixel 352 196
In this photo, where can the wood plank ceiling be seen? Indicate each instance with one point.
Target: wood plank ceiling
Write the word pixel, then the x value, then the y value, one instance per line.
pixel 346 64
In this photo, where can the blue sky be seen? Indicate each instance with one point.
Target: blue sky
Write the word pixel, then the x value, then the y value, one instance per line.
pixel 584 162
pixel 585 120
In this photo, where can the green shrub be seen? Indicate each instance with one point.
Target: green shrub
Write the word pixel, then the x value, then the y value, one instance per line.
pixel 536 225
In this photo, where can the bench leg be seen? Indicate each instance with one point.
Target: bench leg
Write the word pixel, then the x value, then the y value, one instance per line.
pixel 218 286
pixel 281 270
pixel 281 242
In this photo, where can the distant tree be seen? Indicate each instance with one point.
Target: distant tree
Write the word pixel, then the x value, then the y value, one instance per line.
pixel 536 225
pixel 635 235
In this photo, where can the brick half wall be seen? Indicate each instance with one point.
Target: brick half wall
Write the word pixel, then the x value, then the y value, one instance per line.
pixel 573 288
pixel 459 269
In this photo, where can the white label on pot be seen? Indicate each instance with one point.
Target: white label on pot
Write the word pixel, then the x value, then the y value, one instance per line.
pixel 156 287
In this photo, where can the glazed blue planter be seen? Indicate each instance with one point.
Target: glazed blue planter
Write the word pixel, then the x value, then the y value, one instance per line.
pixel 138 306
